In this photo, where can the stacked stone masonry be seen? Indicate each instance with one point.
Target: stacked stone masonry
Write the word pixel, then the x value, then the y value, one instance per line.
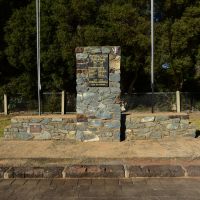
pixel 99 104
pixel 98 112
pixel 158 126
pixel 42 128
pixel 68 127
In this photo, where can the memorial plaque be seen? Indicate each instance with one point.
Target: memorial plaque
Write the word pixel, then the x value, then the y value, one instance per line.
pixel 98 70
pixel 35 128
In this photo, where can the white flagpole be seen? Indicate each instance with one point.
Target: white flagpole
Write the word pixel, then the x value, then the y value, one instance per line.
pixel 152 53
pixel 38 52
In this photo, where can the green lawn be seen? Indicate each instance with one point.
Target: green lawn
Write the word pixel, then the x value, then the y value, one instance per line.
pixel 4 121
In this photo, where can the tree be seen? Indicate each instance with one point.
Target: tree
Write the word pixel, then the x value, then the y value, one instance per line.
pixel 124 24
pixel 6 8
pixel 56 68
pixel 66 24
pixel 177 40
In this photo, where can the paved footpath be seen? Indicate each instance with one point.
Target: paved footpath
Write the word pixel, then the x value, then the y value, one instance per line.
pixel 165 148
pixel 57 159
pixel 101 189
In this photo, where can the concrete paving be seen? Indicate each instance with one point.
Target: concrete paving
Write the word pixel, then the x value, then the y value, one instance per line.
pixel 176 148
pixel 101 189
pixel 145 158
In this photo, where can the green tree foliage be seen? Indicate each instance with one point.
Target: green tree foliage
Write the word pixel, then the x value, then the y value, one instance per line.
pixel 6 9
pixel 66 24
pixel 177 44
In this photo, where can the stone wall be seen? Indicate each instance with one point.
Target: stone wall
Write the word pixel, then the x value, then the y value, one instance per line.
pixel 98 110
pixel 157 126
pixel 42 128
pixel 68 127
pixel 98 105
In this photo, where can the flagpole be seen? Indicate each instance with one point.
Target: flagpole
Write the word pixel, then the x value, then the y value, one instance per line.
pixel 152 56
pixel 38 52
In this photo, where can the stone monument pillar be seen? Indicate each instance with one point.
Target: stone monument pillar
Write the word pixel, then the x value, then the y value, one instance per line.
pixel 98 93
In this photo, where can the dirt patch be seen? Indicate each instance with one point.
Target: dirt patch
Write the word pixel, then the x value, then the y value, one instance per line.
pixel 195 119
pixel 173 148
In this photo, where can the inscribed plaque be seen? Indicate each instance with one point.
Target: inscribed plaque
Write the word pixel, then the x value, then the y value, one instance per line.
pixel 35 128
pixel 98 70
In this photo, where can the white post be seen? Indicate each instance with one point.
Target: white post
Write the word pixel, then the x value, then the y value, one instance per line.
pixel 38 52
pixel 178 102
pixel 152 53
pixel 5 104
pixel 63 103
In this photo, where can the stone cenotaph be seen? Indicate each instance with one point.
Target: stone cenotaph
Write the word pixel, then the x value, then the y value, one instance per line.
pixel 98 93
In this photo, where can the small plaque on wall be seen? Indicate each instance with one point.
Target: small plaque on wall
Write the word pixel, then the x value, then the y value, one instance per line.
pixel 98 70
pixel 35 128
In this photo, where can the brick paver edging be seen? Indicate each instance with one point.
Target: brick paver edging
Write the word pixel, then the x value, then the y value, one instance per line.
pixel 100 171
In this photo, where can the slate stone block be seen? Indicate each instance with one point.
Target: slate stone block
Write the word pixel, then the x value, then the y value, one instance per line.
pixel 80 171
pixel 184 121
pixel 96 123
pixel 173 126
pixel 24 136
pixel 156 171
pixel 2 170
pixel 89 136
pixel 184 126
pixel 81 118
pixel 156 135
pixel 57 119
pixel 34 120
pixel 8 173
pixel 43 136
pixel 53 172
pixel 148 119
pixel 190 133
pixel 176 120
pixel 81 56
pixel 19 172
pixel 79 135
pixel 105 50
pixel 161 118
pixel 88 95
pixel 114 77
pixel 37 172
pixel 193 170
pixel 112 124
pixel 116 136
pixel 95 50
pixel 45 121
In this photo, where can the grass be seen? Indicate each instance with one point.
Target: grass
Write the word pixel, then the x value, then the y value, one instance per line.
pixel 4 121
pixel 195 119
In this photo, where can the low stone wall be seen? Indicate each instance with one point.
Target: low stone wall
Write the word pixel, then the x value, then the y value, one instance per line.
pixel 157 126
pixel 97 129
pixel 81 128
pixel 73 127
pixel 42 128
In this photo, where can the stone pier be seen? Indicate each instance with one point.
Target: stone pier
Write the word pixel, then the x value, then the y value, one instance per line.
pixel 98 93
